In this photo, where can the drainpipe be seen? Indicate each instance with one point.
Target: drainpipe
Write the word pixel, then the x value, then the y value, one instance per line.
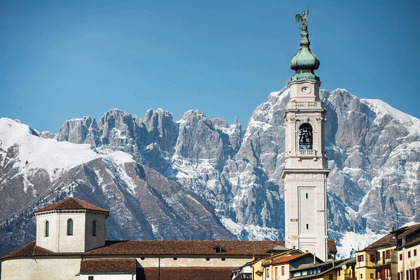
pixel 159 268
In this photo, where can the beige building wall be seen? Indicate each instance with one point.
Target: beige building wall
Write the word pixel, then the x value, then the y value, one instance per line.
pixel 193 261
pixel 67 268
pixel 109 277
pixel 42 269
pixel 406 263
pixel 98 240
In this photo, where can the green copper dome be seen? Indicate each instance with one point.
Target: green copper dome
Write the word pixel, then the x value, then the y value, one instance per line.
pixel 304 62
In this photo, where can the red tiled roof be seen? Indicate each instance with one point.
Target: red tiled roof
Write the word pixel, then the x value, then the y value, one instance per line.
pixel 192 247
pixel 162 248
pixel 412 242
pixel 108 265
pixel 389 240
pixel 332 249
pixel 286 259
pixel 182 273
pixel 31 250
pixel 71 203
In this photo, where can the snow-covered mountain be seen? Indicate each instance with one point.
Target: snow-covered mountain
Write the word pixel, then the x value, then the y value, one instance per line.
pixel 373 151
pixel 143 204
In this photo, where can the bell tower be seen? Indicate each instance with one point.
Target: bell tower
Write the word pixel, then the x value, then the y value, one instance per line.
pixel 305 173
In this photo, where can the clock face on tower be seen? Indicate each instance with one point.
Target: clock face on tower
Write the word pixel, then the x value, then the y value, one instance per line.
pixel 305 90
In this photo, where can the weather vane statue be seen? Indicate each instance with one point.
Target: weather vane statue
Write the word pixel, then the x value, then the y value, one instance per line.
pixel 303 19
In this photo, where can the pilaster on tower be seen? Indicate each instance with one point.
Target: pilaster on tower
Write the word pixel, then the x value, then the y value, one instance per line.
pixel 305 173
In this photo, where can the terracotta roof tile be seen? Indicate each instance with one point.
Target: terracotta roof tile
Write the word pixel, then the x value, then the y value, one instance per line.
pixel 108 265
pixel 161 247
pixel 412 242
pixel 31 250
pixel 332 249
pixel 193 247
pixel 71 203
pixel 286 259
pixel 389 240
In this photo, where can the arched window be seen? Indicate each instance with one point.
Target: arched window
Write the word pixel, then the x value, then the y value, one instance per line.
pixel 69 227
pixel 93 228
pixel 47 228
pixel 305 137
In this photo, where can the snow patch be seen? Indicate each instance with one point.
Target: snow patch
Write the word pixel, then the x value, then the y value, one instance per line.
pixel 351 242
pixel 250 232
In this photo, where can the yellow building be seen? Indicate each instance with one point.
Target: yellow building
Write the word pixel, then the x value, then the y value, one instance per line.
pixel 280 267
pixel 382 259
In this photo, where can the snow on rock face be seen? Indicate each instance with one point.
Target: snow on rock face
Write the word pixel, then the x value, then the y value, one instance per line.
pixel 143 203
pixel 34 152
pixel 373 151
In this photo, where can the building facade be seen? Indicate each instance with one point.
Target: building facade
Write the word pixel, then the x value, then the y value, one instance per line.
pixel 305 173
pixel 70 245
pixel 392 257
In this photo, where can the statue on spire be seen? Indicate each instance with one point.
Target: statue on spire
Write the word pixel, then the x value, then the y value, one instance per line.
pixel 303 19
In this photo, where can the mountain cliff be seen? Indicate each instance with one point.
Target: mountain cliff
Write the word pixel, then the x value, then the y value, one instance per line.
pixel 227 179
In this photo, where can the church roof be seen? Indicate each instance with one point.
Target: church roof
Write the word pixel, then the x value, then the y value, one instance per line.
pixel 158 247
pixel 71 203
pixel 108 266
pixel 170 248
pixel 183 247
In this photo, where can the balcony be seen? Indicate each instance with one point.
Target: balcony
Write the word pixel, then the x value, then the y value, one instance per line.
pixel 307 153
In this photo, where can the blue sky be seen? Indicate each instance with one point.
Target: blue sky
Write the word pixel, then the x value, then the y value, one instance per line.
pixel 68 59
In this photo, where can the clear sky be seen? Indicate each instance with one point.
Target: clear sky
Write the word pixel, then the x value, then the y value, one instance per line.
pixel 68 59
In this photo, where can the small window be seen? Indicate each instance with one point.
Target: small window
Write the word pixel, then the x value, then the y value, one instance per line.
pixel 268 273
pixel 90 277
pixel 371 276
pixel 307 196
pixel 400 257
pixel 361 276
pixel 93 228
pixel 223 259
pixel 372 258
pixel 330 277
pixel 218 249
pixel 47 228
pixel 282 271
pixel 388 254
pixel 307 226
pixel 175 258
pixel 142 258
pixel 69 227
pixel 207 259
pixel 409 254
pixel 415 254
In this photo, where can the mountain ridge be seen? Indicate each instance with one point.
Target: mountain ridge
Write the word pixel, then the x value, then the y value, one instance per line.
pixel 373 156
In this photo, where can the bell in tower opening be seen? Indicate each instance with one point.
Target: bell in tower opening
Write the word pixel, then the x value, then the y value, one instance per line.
pixel 305 137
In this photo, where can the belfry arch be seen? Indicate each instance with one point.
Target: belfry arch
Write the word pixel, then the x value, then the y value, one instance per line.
pixel 305 137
